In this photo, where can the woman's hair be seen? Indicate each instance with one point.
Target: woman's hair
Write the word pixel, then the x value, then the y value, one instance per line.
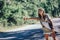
pixel 41 9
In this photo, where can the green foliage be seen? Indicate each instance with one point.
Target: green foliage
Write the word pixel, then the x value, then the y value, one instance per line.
pixel 13 11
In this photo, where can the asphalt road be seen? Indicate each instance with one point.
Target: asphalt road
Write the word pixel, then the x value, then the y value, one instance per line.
pixel 33 34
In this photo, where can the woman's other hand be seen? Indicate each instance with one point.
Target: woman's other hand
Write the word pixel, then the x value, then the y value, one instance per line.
pixel 25 18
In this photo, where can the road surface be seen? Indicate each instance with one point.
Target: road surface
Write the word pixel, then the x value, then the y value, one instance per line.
pixel 22 35
pixel 28 33
pixel 34 34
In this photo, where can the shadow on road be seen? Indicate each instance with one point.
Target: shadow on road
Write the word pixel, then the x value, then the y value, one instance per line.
pixel 35 34
pixel 22 35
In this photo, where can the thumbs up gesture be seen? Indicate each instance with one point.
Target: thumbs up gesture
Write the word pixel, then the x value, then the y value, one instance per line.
pixel 25 18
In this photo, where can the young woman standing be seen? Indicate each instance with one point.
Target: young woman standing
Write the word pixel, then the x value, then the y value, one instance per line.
pixel 46 23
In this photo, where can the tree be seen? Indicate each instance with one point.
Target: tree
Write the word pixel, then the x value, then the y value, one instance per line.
pixel 13 11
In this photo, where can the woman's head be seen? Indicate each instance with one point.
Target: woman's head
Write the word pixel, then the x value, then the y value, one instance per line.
pixel 41 11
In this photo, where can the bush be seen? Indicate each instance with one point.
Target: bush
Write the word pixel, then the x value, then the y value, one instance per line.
pixel 13 11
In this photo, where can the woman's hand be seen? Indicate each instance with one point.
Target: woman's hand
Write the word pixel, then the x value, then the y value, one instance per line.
pixel 53 30
pixel 25 18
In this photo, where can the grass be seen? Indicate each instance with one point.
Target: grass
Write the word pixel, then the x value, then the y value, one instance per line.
pixel 4 29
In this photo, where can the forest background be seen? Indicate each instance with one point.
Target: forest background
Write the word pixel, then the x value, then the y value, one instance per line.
pixel 12 12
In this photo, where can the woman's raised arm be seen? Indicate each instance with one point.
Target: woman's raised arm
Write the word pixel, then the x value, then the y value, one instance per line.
pixel 31 18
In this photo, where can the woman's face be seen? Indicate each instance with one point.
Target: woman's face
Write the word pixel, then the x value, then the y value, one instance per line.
pixel 40 12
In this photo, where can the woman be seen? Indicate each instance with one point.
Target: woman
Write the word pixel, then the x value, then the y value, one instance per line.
pixel 46 23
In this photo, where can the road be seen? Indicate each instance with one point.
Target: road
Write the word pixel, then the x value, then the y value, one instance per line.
pixel 31 34
pixel 34 34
